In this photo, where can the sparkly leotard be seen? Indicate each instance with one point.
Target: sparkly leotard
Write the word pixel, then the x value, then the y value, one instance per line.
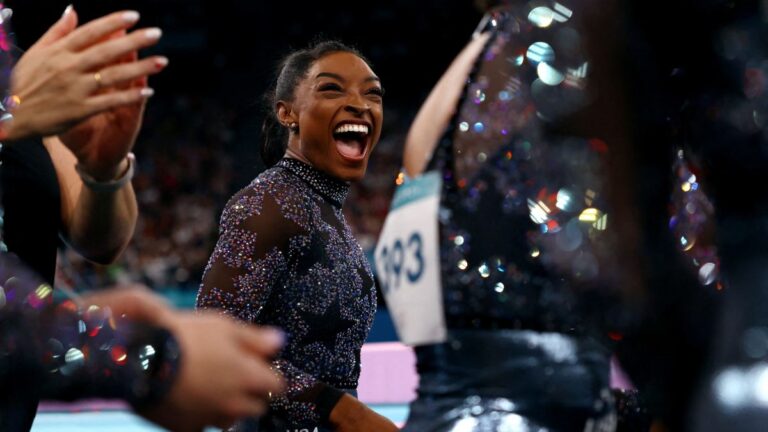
pixel 526 238
pixel 287 258
pixel 523 229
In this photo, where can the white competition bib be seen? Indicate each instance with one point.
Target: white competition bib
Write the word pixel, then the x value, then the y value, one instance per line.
pixel 407 261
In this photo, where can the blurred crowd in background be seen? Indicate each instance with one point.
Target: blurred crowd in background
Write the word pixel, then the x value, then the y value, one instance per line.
pixel 202 133
pixel 185 177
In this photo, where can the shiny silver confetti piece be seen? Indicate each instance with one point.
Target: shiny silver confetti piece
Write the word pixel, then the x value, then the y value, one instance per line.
pixel 73 360
pixel 146 354
pixel 540 52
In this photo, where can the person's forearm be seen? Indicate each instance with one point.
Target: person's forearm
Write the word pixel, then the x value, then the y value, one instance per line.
pixel 103 223
pixel 347 411
pixel 350 414
pixel 98 224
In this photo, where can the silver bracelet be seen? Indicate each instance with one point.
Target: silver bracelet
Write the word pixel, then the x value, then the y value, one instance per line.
pixel 111 185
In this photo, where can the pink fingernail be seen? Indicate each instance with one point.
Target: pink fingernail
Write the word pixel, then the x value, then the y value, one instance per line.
pixel 67 11
pixel 147 92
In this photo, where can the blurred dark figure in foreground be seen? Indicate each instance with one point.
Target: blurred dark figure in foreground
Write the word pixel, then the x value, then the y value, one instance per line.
pixel 572 111
pixel 688 78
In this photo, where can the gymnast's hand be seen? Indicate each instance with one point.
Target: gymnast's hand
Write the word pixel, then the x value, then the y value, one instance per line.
pixel 351 415
pixel 73 73
pixel 224 373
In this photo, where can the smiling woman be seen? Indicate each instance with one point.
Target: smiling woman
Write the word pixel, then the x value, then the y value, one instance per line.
pixel 286 255
pixel 339 109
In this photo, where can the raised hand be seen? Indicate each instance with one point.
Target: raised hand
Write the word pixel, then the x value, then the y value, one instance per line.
pixel 224 372
pixel 73 73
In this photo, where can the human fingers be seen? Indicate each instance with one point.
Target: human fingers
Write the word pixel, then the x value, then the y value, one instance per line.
pixel 114 49
pixel 134 301
pixel 262 341
pixel 260 380
pixel 141 81
pixel 100 28
pixel 118 75
pixel 103 102
pixel 61 28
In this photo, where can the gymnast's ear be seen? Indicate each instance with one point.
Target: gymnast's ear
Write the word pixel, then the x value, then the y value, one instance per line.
pixel 285 113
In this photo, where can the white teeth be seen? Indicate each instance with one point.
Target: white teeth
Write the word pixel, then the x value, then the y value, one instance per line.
pixel 363 129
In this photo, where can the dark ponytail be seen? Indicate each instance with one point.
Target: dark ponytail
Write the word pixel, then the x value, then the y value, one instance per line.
pixel 291 70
